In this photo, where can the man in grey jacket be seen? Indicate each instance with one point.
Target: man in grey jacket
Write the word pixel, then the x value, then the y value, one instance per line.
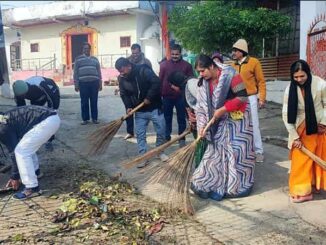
pixel 88 81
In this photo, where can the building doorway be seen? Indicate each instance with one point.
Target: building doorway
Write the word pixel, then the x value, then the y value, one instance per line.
pixel 15 56
pixel 72 40
pixel 77 42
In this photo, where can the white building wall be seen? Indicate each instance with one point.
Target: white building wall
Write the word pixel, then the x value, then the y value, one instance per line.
pixel 48 39
pixel 111 29
pixel 48 36
pixel 143 22
pixel 150 47
pixel 309 10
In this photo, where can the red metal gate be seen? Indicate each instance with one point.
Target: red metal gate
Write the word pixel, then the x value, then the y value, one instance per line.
pixel 316 46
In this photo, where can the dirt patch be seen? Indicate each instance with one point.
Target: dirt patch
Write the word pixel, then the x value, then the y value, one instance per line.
pixel 85 206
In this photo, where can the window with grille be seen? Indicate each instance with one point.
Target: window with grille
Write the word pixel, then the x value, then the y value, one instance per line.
pixel 125 42
pixel 34 47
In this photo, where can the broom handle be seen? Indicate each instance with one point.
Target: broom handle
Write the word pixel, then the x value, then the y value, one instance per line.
pixel 133 111
pixel 210 123
pixel 316 159
pixel 156 150
pixel 170 142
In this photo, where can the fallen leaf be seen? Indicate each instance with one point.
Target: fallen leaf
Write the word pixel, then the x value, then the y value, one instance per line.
pixel 157 227
pixel 94 200
pixel 104 228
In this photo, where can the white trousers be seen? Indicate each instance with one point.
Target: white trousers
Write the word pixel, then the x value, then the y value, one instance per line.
pixel 25 150
pixel 258 144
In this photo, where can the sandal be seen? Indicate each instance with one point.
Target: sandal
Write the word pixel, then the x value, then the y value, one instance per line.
pixel 299 199
pixel 28 193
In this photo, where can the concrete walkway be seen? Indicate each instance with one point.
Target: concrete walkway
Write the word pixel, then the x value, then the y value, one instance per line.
pixel 265 217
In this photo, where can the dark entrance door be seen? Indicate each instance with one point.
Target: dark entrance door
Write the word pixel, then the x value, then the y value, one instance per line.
pixel 77 45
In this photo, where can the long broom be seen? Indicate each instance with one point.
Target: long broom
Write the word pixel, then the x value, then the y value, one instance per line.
pixel 154 152
pixel 176 173
pixel 102 137
pixel 316 159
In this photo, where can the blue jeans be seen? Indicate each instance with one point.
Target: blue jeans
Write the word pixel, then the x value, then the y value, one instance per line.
pixel 168 105
pixel 141 122
pixel 89 95
pixel 130 124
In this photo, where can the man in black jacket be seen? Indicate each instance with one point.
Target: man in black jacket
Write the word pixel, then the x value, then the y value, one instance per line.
pixel 138 83
pixel 39 90
pixel 23 130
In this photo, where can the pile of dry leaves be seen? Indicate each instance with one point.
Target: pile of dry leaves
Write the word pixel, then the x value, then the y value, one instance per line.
pixel 109 209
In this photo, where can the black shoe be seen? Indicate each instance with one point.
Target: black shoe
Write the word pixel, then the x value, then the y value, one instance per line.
pixel 84 122
pixel 95 122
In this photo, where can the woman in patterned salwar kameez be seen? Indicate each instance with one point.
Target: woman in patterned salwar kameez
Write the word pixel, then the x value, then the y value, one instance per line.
pixel 227 167
pixel 304 115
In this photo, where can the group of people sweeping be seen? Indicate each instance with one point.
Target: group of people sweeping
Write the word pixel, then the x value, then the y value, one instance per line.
pixel 219 163
pixel 221 113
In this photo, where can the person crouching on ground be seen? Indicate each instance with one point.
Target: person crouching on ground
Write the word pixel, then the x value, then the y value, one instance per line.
pixel 304 116
pixel 23 130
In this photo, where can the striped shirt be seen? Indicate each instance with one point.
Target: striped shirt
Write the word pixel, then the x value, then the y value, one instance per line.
pixel 86 69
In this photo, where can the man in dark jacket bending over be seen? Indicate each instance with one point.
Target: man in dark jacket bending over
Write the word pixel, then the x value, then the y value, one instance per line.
pixel 138 83
pixel 23 130
pixel 39 91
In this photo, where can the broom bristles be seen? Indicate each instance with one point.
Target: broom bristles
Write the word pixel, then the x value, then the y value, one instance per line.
pixel 102 137
pixel 176 172
pixel 154 152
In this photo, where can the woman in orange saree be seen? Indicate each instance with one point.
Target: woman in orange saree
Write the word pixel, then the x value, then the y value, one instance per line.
pixel 304 116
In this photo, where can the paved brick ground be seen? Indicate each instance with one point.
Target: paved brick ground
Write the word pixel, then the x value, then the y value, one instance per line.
pixel 265 217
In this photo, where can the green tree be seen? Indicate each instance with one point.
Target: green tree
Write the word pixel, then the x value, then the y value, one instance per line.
pixel 216 25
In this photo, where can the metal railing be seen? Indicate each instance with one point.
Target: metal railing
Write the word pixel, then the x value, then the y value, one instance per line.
pixel 50 65
pixel 108 60
pixel 33 64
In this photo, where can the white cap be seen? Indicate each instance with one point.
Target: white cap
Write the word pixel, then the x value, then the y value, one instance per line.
pixel 241 44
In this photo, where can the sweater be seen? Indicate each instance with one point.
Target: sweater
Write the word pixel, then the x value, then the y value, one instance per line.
pixel 252 74
pixel 166 68
pixel 87 69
